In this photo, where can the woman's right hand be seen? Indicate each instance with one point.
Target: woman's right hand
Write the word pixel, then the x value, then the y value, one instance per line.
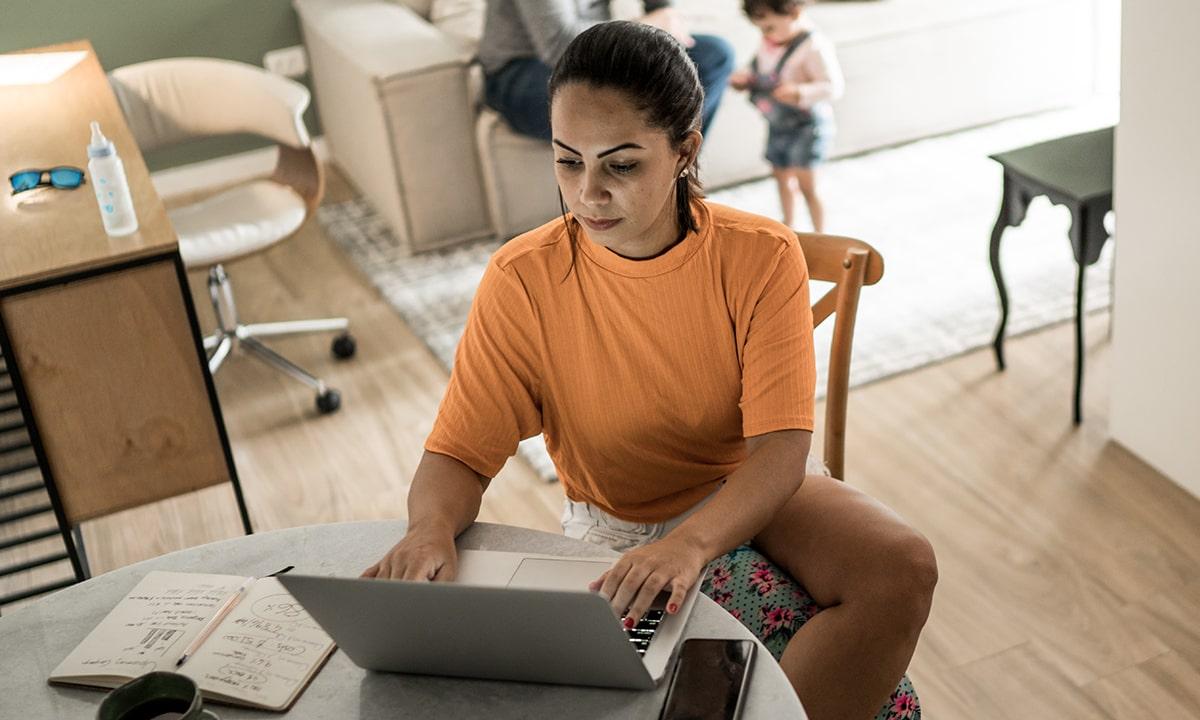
pixel 740 79
pixel 421 555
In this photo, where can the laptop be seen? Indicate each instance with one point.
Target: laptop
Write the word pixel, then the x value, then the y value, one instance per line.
pixel 507 616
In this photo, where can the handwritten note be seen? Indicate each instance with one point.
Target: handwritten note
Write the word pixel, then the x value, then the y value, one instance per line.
pixel 262 653
pixel 266 647
pixel 150 627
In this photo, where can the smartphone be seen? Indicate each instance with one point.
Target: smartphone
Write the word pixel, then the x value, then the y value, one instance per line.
pixel 709 681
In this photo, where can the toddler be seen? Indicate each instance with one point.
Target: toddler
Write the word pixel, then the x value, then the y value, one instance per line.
pixel 792 80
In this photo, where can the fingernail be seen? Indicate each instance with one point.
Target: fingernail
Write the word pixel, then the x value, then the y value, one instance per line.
pixel 672 608
pixel 628 623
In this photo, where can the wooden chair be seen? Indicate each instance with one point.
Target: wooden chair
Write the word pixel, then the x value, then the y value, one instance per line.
pixel 784 605
pixel 849 264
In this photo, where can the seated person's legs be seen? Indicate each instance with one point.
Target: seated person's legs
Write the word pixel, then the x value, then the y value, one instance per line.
pixel 520 92
pixel 773 606
pixel 714 62
pixel 872 574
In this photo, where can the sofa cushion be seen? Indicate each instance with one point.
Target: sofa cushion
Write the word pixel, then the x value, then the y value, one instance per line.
pixel 383 40
pixel 420 7
pixel 849 22
pixel 459 19
pixel 855 20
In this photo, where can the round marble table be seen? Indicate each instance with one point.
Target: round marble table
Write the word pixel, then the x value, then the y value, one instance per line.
pixel 35 638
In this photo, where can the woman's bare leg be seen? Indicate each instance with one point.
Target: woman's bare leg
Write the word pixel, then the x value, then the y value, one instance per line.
pixel 873 574
pixel 807 179
pixel 786 179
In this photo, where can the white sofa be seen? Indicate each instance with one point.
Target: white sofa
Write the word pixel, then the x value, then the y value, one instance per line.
pixel 400 101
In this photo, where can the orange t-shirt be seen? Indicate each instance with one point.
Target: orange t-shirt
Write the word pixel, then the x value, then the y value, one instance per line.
pixel 645 376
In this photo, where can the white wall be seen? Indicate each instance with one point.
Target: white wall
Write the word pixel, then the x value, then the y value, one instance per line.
pixel 1156 393
pixel 1108 46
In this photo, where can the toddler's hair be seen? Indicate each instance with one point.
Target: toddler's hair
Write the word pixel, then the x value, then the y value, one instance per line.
pixel 757 8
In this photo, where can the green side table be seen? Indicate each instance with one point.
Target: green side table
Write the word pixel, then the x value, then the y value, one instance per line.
pixel 1075 171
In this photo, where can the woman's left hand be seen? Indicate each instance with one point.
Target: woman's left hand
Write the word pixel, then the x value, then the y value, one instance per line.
pixel 669 564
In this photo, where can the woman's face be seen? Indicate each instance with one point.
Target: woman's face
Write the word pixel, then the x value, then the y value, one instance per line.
pixel 616 172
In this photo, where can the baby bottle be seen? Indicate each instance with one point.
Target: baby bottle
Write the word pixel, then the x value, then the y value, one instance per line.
pixel 112 189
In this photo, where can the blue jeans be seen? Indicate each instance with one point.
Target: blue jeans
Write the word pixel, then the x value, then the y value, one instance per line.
pixel 520 91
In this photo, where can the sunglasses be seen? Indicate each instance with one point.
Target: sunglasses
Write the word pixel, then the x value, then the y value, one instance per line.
pixel 64 177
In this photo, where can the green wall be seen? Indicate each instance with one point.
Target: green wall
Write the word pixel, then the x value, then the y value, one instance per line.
pixel 130 31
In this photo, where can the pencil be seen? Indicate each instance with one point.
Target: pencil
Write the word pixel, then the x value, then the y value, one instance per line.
pixel 212 624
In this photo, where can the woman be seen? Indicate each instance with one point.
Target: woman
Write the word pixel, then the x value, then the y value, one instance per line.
pixel 663 346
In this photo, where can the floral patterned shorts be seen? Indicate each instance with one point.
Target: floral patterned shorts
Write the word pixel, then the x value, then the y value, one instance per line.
pixel 774 606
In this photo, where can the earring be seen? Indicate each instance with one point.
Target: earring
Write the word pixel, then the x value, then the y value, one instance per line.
pixel 684 173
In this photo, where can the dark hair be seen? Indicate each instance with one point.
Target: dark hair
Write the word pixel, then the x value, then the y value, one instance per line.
pixel 654 71
pixel 758 8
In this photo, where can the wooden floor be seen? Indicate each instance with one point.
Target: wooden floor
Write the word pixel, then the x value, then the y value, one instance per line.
pixel 1070 570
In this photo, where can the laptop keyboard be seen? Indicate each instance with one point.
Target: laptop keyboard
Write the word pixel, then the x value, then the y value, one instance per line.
pixel 641 634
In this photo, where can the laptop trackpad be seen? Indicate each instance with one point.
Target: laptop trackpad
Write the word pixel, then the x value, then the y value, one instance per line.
pixel 553 574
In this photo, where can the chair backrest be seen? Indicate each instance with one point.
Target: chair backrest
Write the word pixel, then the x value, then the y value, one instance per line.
pixel 849 264
pixel 173 100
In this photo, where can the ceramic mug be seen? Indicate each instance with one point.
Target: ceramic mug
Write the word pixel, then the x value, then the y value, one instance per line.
pixel 156 696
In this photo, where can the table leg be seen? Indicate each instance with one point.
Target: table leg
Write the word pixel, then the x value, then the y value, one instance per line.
pixel 1087 240
pixel 1014 204
pixel 1079 277
pixel 77 533
pixel 994 252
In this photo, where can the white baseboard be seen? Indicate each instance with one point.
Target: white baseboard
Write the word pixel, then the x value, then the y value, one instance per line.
pixel 223 170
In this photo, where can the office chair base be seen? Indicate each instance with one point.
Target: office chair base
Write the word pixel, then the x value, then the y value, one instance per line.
pixel 329 401
pixel 344 346
pixel 231 334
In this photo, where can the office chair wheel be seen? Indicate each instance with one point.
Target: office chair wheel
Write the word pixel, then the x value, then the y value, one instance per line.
pixel 329 401
pixel 344 346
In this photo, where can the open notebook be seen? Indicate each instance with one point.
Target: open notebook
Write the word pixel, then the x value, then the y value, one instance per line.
pixel 262 654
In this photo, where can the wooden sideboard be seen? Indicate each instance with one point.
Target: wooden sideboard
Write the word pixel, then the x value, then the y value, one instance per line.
pixel 99 334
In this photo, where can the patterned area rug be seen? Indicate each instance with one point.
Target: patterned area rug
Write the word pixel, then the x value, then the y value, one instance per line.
pixel 928 207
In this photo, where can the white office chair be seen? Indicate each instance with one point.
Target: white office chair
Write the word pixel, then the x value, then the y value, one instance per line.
pixel 170 101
